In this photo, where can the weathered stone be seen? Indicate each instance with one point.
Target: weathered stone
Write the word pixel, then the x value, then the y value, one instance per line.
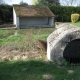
pixel 57 41
pixel 70 71
pixel 48 77
pixel 23 69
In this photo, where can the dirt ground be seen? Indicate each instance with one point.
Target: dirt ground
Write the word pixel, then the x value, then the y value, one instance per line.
pixel 10 53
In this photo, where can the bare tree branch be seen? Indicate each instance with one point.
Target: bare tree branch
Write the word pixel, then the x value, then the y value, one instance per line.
pixel 69 2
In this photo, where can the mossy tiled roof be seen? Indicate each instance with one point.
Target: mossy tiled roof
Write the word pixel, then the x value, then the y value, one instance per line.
pixel 32 11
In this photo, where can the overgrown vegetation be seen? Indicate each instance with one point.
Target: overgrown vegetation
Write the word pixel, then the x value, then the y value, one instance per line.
pixel 6 13
pixel 34 67
pixel 46 2
pixel 22 41
pixel 63 13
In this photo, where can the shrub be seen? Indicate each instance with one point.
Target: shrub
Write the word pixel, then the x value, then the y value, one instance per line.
pixel 74 17
pixel 6 13
pixel 63 13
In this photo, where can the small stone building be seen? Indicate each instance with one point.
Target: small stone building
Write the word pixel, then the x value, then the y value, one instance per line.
pixel 26 16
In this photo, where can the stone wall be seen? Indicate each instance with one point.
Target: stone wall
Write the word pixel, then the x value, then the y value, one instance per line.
pixel 57 41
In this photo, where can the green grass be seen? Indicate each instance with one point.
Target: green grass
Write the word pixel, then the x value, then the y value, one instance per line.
pixel 76 24
pixel 11 39
pixel 6 33
pixel 34 70
pixel 26 40
pixel 42 36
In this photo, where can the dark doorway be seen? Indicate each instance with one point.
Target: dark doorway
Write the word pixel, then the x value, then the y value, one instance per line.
pixel 72 51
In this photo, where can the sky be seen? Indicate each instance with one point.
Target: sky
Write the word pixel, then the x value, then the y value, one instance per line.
pixel 10 2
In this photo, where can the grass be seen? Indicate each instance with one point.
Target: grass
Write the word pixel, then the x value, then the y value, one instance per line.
pixel 11 39
pixel 76 24
pixel 34 70
pixel 30 69
pixel 24 37
pixel 16 42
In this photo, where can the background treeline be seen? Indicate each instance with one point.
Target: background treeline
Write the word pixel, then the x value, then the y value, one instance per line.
pixel 62 13
pixel 6 13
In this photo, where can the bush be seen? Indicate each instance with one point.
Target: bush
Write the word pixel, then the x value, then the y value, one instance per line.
pixel 74 17
pixel 63 13
pixel 6 13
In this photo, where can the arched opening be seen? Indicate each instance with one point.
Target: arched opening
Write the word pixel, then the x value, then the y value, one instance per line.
pixel 72 51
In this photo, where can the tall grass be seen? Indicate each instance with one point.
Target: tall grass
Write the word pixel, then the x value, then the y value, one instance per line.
pixel 25 39
pixel 18 42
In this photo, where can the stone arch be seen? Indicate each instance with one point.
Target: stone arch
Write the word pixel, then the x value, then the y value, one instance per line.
pixel 59 39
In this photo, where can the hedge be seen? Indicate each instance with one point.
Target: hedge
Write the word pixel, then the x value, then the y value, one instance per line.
pixel 63 13
pixel 6 13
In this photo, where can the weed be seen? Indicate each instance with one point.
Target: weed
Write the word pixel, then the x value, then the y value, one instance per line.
pixel 64 63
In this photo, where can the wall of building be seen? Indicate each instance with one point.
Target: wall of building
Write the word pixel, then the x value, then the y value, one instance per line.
pixel 33 21
pixel 59 39
pixel 51 21
pixel 14 17
pixel 17 22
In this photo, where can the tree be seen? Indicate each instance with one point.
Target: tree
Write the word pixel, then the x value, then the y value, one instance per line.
pixel 54 2
pixel 23 3
pixel 69 2
pixel 42 2
pixel 46 2
pixel 6 13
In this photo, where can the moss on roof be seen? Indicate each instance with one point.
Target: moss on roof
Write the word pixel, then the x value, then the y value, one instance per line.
pixel 32 11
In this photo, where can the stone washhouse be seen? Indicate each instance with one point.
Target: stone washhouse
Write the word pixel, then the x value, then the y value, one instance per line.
pixel 29 16
pixel 64 43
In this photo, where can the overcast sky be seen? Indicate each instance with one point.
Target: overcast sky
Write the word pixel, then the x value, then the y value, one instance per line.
pixel 10 2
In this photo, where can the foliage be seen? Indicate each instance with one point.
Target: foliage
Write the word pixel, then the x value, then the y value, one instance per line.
pixel 63 13
pixel 64 63
pixel 23 3
pixel 74 17
pixel 42 3
pixel 53 2
pixel 6 13
pixel 47 2
pixel 32 69
pixel 25 39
